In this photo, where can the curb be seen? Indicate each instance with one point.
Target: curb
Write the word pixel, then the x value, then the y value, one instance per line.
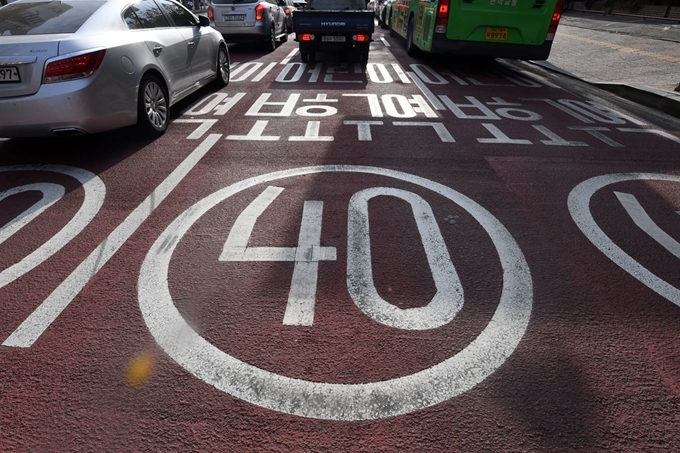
pixel 665 101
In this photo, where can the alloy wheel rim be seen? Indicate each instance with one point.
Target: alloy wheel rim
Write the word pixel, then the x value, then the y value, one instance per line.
pixel 155 104
pixel 224 66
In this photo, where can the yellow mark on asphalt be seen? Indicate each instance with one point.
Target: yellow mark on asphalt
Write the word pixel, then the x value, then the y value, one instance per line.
pixel 624 49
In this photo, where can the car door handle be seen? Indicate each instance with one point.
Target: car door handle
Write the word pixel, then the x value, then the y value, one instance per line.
pixel 191 44
pixel 157 50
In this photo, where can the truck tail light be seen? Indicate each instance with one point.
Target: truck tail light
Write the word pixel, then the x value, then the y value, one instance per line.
pixel 259 12
pixel 442 16
pixel 306 37
pixel 211 13
pixel 71 68
pixel 557 15
pixel 360 38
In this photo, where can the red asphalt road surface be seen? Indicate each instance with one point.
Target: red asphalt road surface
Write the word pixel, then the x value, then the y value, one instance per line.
pixel 597 368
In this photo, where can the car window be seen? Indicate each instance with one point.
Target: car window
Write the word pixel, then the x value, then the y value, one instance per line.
pixel 232 2
pixel 131 19
pixel 38 18
pixel 180 16
pixel 149 14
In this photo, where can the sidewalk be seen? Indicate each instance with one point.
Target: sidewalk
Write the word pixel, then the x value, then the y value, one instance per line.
pixel 633 57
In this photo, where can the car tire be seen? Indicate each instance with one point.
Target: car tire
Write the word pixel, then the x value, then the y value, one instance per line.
pixel 284 38
pixel 153 106
pixel 411 48
pixel 270 44
pixel 223 70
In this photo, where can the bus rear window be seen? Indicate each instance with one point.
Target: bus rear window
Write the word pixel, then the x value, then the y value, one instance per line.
pixel 40 18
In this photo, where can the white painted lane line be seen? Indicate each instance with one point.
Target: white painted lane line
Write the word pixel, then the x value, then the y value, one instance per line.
pixel 95 192
pixel 264 72
pixel 290 56
pixel 31 329
pixel 426 91
pixel 646 224
pixel 400 73
pixel 384 41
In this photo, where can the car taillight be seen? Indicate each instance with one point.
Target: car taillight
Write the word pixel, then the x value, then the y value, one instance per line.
pixel 306 37
pixel 557 15
pixel 442 16
pixel 287 11
pixel 360 38
pixel 71 68
pixel 211 14
pixel 259 12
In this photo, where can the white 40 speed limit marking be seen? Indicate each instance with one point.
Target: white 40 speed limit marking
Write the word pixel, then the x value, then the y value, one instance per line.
pixel 372 400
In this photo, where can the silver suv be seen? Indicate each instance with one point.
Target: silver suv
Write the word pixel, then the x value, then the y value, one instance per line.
pixel 250 20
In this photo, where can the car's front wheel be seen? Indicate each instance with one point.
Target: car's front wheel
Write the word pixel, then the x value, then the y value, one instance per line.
pixel 153 106
pixel 223 72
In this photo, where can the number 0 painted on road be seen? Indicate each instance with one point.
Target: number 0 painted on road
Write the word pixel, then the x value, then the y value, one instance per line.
pixel 448 300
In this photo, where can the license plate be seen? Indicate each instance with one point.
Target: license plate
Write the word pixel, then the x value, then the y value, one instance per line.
pixel 333 38
pixel 9 74
pixel 496 34
pixel 240 17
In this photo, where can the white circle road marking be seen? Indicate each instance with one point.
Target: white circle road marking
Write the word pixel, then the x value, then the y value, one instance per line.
pixel 373 400
pixel 95 192
pixel 579 208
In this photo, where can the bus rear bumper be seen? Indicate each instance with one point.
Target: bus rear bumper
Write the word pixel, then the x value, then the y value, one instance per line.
pixel 442 45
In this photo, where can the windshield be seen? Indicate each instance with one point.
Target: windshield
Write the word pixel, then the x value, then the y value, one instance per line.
pixel 336 5
pixel 37 18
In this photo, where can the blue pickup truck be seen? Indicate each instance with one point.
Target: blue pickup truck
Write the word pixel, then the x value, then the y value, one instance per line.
pixel 332 25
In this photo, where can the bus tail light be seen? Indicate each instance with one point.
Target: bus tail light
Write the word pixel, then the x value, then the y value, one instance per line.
pixel 71 68
pixel 259 12
pixel 360 38
pixel 557 15
pixel 306 37
pixel 443 16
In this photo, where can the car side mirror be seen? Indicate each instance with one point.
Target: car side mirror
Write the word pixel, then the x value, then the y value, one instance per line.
pixel 203 21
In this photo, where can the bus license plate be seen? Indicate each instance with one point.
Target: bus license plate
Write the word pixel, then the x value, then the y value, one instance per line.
pixel 333 38
pixel 496 34
pixel 9 74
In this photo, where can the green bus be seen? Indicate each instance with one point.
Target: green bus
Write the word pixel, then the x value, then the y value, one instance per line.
pixel 521 29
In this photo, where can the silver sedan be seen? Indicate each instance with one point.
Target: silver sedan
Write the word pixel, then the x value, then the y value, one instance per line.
pixel 71 67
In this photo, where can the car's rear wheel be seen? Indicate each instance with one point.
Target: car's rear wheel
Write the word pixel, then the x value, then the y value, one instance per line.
pixel 223 72
pixel 284 38
pixel 153 108
pixel 270 44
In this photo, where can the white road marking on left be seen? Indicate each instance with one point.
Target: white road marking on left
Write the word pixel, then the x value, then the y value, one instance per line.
pixel 384 41
pixel 38 321
pixel 290 56
pixel 95 191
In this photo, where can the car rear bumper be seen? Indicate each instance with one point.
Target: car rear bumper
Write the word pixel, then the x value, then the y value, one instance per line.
pixel 246 33
pixel 68 108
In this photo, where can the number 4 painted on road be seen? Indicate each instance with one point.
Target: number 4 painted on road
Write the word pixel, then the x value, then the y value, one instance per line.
pixel 308 253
